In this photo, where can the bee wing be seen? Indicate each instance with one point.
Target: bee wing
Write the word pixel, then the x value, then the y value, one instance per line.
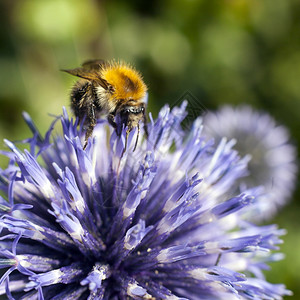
pixel 94 64
pixel 89 74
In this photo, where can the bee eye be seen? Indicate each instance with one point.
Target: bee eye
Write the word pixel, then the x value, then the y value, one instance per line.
pixel 133 110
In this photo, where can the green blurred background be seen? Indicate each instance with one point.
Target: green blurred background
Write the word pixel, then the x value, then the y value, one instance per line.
pixel 220 51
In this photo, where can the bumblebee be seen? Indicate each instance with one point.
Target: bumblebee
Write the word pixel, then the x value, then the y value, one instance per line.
pixel 110 88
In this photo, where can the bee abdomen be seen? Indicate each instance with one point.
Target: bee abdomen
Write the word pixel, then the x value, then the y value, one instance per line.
pixel 80 98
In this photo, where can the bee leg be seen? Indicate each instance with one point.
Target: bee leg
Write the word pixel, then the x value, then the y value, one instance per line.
pixel 91 120
pixel 111 120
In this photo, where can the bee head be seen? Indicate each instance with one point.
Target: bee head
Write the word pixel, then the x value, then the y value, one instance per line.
pixel 132 115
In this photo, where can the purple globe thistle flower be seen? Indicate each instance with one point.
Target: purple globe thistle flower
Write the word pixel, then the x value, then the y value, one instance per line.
pixel 151 224
pixel 273 157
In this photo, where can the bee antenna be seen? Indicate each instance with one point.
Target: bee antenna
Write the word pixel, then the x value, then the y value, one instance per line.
pixel 85 145
pixel 145 125
pixel 218 259
pixel 137 136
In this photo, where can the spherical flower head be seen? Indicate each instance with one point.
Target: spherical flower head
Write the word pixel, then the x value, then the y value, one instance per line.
pixel 156 223
pixel 273 157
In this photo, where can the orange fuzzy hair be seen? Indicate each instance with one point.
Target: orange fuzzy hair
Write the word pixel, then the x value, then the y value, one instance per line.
pixel 127 82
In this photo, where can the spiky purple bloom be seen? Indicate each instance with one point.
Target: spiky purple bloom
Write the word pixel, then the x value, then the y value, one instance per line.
pixel 273 157
pixel 156 223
